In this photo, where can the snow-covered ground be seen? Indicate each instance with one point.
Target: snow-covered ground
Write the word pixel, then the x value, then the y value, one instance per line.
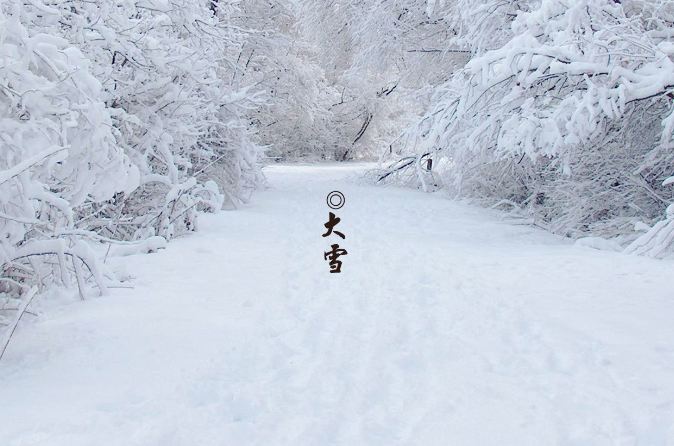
pixel 448 326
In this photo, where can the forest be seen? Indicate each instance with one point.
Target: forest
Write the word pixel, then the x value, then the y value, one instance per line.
pixel 123 123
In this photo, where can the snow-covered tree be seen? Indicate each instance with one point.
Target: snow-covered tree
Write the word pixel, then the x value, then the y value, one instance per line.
pixel 566 113
pixel 58 157
pixel 166 68
pixel 295 121
pixel 385 58
pixel 119 121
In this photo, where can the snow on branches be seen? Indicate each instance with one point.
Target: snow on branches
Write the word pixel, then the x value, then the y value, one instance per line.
pixel 58 155
pixel 119 121
pixel 384 58
pixel 571 117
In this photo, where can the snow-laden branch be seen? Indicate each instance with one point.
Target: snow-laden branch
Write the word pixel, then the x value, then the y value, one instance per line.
pixel 6 175
pixel 565 109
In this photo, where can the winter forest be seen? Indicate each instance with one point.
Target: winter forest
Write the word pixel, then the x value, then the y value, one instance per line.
pixel 506 235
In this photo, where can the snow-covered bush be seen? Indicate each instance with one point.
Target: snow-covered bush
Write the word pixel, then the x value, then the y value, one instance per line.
pixel 658 241
pixel 565 110
pixel 119 121
pixel 165 68
pixel 58 157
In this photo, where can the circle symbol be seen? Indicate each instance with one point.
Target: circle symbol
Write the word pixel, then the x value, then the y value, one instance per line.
pixel 335 200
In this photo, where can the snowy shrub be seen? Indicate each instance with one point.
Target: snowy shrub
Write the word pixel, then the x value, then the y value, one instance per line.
pixel 119 122
pixel 165 67
pixel 58 158
pixel 658 241
pixel 565 112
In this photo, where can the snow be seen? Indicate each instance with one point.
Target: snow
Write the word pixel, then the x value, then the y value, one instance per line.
pixel 447 326
pixel 6 175
pixel 599 243
pixel 151 244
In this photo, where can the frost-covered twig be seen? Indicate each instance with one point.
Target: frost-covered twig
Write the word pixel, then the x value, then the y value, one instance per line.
pixel 9 332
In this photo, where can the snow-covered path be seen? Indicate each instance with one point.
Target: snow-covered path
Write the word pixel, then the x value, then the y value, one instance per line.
pixel 447 326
